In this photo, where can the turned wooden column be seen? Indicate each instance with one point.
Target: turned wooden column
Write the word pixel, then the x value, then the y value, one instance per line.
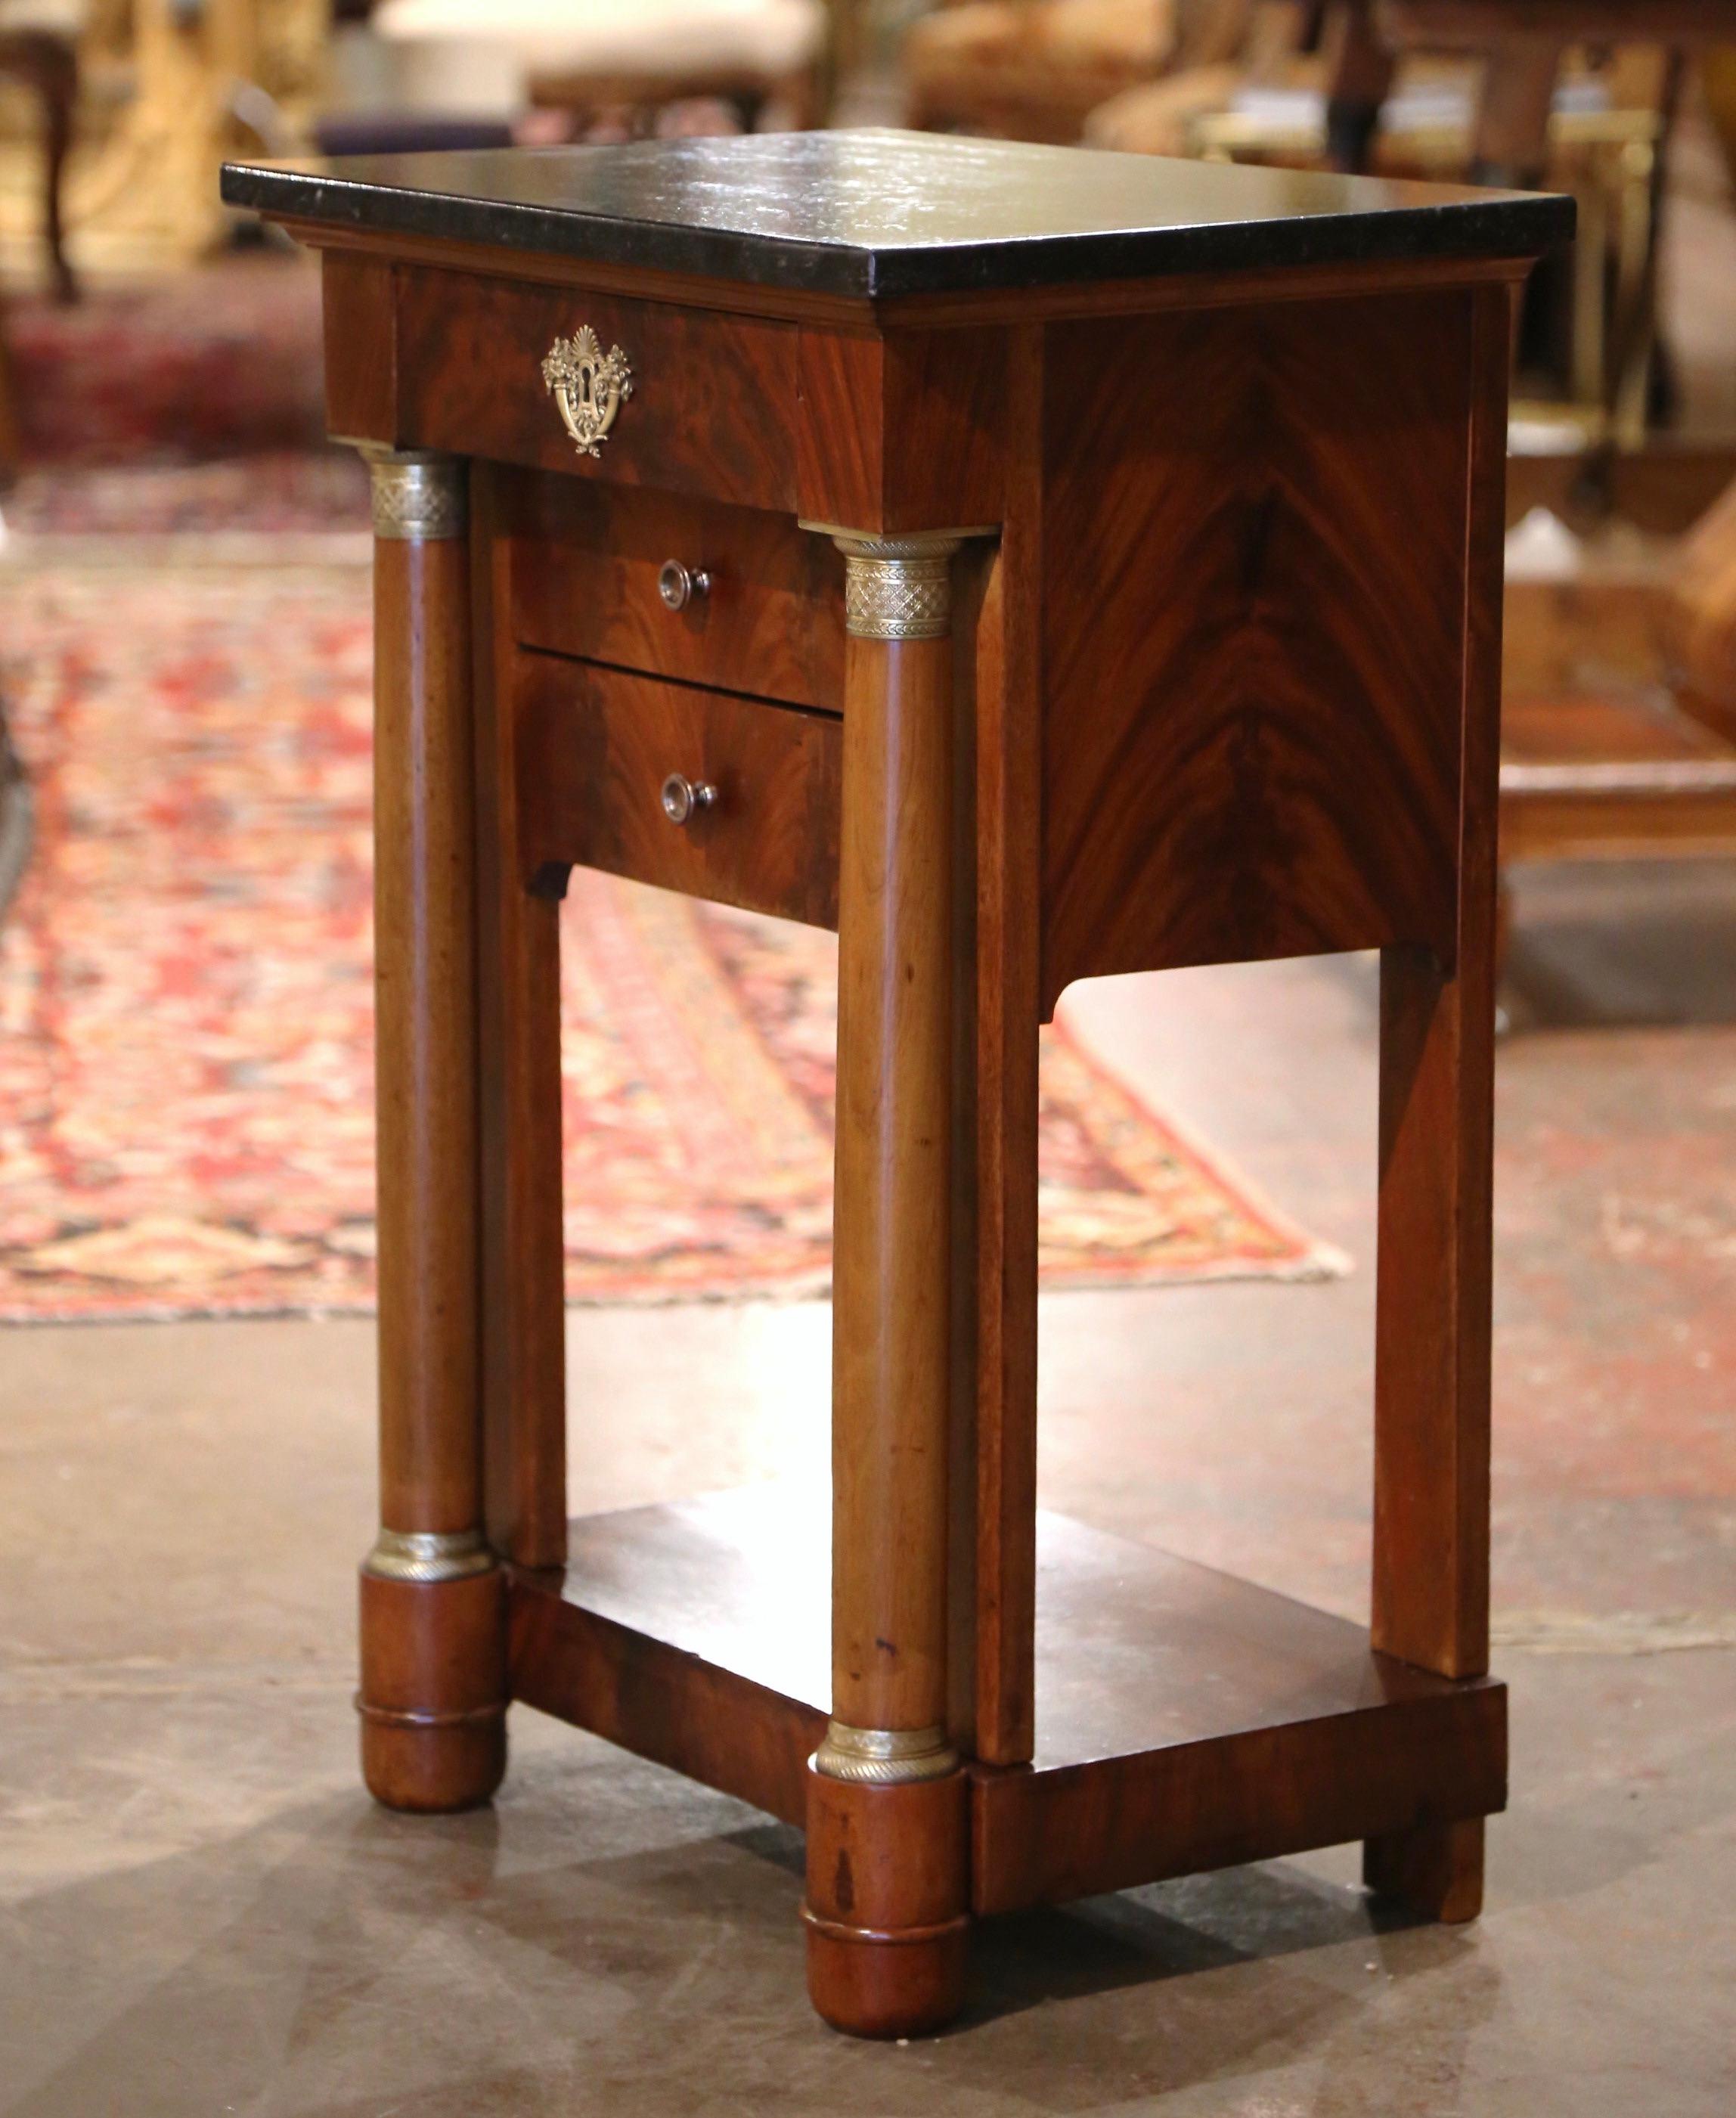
pixel 887 1886
pixel 432 1698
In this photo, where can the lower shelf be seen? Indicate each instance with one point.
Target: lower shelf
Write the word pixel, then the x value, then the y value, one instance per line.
pixel 1185 1720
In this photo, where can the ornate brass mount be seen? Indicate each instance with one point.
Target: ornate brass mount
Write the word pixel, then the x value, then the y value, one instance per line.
pixel 588 385
pixel 418 494
pixel 424 1555
pixel 897 588
pixel 884 1757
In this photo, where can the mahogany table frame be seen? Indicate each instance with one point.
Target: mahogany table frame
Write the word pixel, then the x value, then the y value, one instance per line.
pixel 1322 775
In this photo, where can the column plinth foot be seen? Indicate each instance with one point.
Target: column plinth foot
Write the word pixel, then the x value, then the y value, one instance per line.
pixel 1436 1869
pixel 432 1701
pixel 887 1906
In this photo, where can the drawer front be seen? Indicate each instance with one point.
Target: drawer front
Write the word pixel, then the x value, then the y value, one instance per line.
pixel 712 396
pixel 596 746
pixel 586 569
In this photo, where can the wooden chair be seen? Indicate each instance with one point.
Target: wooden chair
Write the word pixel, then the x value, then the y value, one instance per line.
pixel 1035 69
pixel 630 58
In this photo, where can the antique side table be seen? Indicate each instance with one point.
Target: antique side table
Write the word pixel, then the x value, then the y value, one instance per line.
pixel 1037 564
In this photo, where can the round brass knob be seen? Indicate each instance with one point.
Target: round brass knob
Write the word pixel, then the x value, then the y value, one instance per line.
pixel 683 798
pixel 678 585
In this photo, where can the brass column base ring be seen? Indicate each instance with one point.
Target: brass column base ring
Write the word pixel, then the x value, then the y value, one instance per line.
pixel 884 1757
pixel 416 1555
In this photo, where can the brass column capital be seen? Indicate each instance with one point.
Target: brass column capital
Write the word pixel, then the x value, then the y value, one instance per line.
pixel 897 588
pixel 418 494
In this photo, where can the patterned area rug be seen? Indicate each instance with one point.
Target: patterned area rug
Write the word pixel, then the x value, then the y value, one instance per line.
pixel 182 405
pixel 189 368
pixel 186 1008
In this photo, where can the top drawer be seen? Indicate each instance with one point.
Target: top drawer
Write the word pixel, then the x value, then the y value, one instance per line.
pixel 712 406
pixel 590 578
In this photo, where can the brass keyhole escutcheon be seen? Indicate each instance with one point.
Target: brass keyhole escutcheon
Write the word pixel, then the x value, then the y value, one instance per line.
pixel 588 386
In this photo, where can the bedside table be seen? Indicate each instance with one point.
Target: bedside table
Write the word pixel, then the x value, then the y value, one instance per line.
pixel 1037 564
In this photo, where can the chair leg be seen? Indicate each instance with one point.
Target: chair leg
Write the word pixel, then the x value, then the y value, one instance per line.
pixel 59 86
pixel 1359 71
pixel 49 65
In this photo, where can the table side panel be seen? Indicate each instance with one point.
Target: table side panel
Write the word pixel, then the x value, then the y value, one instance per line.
pixel 659 1701
pixel 1254 597
pixel 1044 1837
pixel 710 411
pixel 595 745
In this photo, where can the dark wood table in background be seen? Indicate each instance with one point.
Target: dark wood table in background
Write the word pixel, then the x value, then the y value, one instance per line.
pixel 1037 564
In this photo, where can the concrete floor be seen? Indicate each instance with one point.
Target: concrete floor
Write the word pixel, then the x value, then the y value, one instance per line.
pixel 204 1914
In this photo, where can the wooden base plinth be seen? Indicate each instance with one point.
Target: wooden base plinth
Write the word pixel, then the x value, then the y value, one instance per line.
pixel 889 1936
pixel 1185 1720
pixel 1436 1869
pixel 433 1693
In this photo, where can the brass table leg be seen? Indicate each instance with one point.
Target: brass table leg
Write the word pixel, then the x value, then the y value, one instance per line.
pixel 432 1698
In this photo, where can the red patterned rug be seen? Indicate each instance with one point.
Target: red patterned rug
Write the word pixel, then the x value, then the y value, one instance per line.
pixel 187 403
pixel 186 1008
pixel 187 368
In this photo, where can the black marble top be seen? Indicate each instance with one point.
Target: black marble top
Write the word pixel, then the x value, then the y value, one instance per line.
pixel 885 214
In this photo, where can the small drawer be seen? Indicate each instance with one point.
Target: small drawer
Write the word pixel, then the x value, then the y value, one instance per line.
pixel 712 406
pixel 757 604
pixel 598 746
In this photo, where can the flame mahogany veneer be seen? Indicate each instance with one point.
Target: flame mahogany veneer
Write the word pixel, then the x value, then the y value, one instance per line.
pixel 1225 451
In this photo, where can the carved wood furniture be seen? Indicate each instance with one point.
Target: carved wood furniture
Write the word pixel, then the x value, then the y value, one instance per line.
pixel 1037 564
pixel 1524 42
